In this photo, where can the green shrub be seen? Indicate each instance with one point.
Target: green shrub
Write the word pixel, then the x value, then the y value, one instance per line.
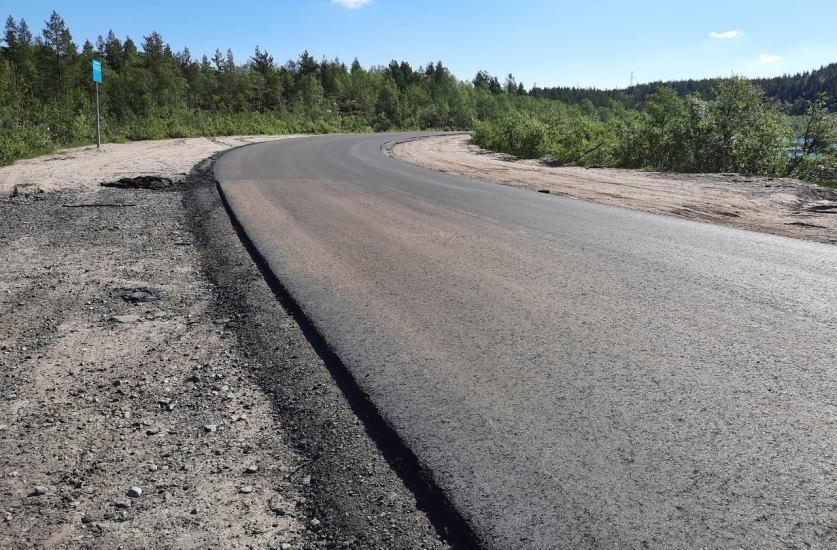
pixel 518 134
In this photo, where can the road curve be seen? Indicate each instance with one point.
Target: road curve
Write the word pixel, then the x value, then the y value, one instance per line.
pixel 575 375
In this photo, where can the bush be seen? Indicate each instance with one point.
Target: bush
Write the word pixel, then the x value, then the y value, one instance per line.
pixel 821 169
pixel 518 134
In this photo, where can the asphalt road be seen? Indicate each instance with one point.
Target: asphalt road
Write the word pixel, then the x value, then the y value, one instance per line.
pixel 575 375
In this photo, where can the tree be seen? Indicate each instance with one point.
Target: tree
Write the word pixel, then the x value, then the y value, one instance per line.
pixel 58 39
pixel 818 142
pixel 306 65
pixel 510 84
pixel 166 84
pixel 266 82
pixel 485 81
pixel 19 52
pixel 664 140
pixel 10 35
pixel 111 50
pixel 190 71
pixel 745 133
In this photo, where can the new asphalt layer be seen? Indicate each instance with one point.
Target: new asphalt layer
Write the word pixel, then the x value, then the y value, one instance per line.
pixel 573 375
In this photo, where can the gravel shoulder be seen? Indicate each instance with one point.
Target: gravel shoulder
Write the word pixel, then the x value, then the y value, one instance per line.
pixel 155 392
pixel 779 206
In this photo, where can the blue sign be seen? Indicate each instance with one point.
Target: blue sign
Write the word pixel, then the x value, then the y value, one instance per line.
pixel 97 71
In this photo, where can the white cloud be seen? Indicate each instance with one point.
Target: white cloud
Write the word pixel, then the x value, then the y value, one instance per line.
pixel 352 4
pixel 764 58
pixel 728 34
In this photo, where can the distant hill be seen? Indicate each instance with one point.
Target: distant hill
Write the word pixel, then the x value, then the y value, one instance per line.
pixel 794 90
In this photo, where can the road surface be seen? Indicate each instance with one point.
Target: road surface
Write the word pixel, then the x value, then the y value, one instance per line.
pixel 575 375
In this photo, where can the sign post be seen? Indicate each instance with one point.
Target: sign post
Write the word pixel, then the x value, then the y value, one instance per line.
pixel 97 78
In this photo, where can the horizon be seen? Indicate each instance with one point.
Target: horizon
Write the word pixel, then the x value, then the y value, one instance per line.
pixel 672 43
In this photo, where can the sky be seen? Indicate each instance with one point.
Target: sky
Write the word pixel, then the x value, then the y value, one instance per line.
pixel 597 43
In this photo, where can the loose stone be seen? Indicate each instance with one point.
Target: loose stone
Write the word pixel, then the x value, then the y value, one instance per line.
pixel 126 318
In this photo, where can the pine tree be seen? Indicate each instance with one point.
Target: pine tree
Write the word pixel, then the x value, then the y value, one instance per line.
pixel 58 39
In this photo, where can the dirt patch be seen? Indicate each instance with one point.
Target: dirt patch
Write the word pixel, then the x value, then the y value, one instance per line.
pixel 166 159
pixel 779 206
pixel 112 368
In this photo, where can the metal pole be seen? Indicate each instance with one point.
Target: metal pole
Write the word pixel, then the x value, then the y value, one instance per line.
pixel 98 129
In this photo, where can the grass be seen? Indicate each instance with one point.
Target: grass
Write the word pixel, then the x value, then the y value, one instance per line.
pixel 829 184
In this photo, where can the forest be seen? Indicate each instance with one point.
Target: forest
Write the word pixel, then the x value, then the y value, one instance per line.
pixel 150 91
pixel 796 91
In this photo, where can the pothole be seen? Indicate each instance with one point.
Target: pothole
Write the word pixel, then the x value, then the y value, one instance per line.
pixel 136 295
pixel 140 182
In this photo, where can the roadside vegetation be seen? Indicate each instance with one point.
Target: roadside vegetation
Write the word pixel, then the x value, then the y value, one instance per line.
pixel 152 92
pixel 738 131
pixel 795 91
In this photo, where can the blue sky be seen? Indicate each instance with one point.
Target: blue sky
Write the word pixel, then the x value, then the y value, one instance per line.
pixel 594 43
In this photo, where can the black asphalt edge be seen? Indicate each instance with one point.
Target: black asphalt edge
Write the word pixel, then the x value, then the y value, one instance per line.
pixel 450 525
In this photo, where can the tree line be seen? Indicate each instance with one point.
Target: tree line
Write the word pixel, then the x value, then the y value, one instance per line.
pixel 152 92
pixel 796 91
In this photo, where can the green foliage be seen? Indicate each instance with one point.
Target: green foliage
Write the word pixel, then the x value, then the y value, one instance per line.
pixel 584 139
pixel 795 91
pixel 516 133
pixel 151 92
pixel 815 156
pixel 569 134
pixel 820 170
pixel 738 131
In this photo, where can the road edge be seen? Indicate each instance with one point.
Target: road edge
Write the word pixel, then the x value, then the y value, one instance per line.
pixel 430 498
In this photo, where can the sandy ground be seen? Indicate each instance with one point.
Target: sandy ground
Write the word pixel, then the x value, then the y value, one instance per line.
pixel 87 167
pixel 100 394
pixel 778 206
pixel 153 391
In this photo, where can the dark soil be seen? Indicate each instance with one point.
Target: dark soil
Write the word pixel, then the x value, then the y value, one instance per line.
pixel 141 182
